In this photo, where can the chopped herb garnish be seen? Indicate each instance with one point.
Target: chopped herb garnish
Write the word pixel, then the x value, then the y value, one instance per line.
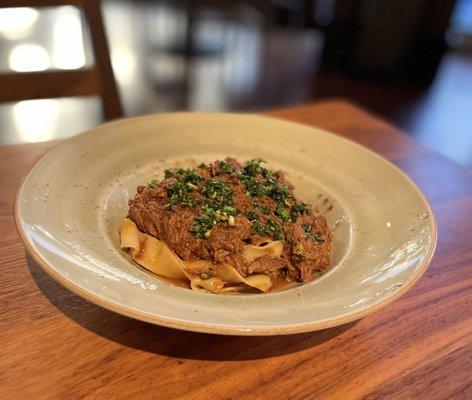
pixel 252 216
pixel 282 212
pixel 225 167
pixel 230 210
pixel 220 216
pixel 169 173
pixel 152 184
pixel 218 208
pixel 254 187
pixel 185 174
pixel 313 236
pixel 178 195
pixel 298 209
pixel 264 209
pixel 186 181
pixel 189 175
pixel 219 191
pixel 201 228
pixel 306 228
pixel 253 167
pixel 278 192
pixel 206 274
pixel 270 228
pixel 188 189
pixel 261 182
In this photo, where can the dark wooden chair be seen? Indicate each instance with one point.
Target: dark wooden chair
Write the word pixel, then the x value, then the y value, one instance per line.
pixel 97 80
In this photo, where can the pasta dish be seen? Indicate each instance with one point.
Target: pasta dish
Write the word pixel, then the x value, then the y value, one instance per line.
pixel 226 227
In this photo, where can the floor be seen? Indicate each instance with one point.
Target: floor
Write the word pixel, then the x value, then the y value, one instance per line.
pixel 247 66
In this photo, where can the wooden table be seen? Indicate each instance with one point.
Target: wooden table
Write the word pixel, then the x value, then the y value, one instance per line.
pixel 54 345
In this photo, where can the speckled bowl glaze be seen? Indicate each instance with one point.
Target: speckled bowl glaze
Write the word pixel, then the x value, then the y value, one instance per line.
pixel 70 206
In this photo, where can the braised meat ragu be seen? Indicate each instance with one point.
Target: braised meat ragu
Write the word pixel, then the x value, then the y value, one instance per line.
pixel 213 211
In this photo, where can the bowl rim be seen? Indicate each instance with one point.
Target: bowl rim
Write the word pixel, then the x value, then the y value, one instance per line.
pixel 213 328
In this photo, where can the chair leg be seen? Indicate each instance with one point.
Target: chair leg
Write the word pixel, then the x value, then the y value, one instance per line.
pixel 109 92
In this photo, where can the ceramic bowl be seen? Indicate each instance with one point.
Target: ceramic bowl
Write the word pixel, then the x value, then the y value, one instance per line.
pixel 71 204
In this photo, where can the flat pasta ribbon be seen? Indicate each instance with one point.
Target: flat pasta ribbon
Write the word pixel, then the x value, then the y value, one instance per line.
pixel 225 274
pixel 151 253
pixel 157 257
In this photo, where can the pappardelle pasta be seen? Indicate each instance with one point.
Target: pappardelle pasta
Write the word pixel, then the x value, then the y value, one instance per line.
pixel 226 228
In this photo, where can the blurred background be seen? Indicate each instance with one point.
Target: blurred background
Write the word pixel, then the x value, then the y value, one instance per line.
pixel 409 62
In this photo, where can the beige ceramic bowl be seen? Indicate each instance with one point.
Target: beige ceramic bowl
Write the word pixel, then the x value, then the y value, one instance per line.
pixel 71 205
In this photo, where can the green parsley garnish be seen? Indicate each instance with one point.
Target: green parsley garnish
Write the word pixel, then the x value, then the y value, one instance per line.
pixel 254 167
pixel 254 188
pixel 219 191
pixel 297 210
pixel 225 167
pixel 188 189
pixel 201 228
pixel 187 174
pixel 277 191
pixel 264 209
pixel 178 194
pixel 230 210
pixel 270 228
pixel 219 208
pixel 313 236
pixel 170 172
pixel 317 237
pixel 187 180
pixel 206 274
pixel 252 216
pixel 261 182
pixel 152 184
pixel 282 212
pixel 306 228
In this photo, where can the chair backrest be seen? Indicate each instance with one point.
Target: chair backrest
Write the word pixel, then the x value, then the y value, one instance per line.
pixel 97 80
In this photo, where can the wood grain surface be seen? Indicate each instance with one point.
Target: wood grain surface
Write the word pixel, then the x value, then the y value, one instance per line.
pixel 54 345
